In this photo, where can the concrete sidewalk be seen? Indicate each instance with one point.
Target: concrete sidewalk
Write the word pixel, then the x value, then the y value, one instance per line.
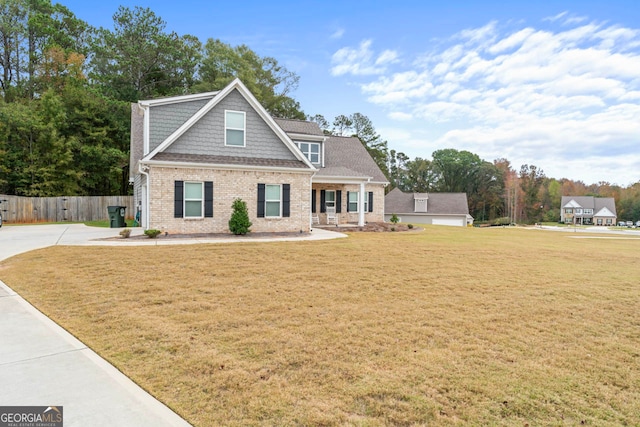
pixel 41 364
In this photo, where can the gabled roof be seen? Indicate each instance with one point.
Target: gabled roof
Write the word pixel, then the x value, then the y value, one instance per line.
pixel 604 212
pixel 216 97
pixel 438 204
pixel 589 202
pixel 347 157
pixel 300 126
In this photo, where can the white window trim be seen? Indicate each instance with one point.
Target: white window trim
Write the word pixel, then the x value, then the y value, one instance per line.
pixel 244 129
pixel 332 201
pixel 317 144
pixel 266 200
pixel 357 202
pixel 201 200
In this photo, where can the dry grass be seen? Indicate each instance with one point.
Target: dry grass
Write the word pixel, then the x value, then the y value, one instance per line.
pixel 447 326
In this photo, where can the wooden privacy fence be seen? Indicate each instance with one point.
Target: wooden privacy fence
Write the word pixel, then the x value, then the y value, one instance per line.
pixel 17 209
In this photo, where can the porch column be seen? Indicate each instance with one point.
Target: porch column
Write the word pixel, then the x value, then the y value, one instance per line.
pixel 361 205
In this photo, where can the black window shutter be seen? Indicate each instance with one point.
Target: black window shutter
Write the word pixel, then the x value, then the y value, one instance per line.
pixel 208 199
pixel 178 200
pixel 323 201
pixel 261 200
pixel 348 199
pixel 339 201
pixel 370 201
pixel 313 201
pixel 286 200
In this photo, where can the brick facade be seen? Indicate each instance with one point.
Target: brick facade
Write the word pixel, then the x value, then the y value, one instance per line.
pixel 227 186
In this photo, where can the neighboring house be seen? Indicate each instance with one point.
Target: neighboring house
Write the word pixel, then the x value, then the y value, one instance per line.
pixel 428 208
pixel 192 155
pixel 588 210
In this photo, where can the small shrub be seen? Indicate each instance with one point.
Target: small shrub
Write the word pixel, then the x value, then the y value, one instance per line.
pixel 409 226
pixel 152 234
pixel 394 219
pixel 125 233
pixel 393 229
pixel 239 223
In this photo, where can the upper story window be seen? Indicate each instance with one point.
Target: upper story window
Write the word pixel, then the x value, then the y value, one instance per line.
pixel 579 211
pixel 569 211
pixel 588 211
pixel 311 150
pixel 234 124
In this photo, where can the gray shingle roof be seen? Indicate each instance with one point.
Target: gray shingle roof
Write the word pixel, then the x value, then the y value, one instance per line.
pixel 228 160
pixel 299 126
pixel 438 203
pixel 346 156
pixel 590 202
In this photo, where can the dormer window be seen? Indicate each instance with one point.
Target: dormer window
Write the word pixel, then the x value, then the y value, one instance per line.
pixel 420 202
pixel 311 151
pixel 234 124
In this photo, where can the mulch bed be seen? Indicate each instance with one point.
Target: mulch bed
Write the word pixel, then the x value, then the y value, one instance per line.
pixel 371 227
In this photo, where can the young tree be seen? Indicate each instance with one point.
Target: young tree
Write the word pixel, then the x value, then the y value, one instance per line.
pixel 239 223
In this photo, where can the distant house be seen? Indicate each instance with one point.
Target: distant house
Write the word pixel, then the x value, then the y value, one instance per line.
pixel 428 208
pixel 588 210
pixel 192 155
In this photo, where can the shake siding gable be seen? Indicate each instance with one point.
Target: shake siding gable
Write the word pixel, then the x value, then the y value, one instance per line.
pixel 165 119
pixel 206 136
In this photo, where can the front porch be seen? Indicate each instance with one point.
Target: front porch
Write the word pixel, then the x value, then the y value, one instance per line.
pixel 346 204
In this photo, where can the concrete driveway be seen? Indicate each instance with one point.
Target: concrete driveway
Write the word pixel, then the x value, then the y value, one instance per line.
pixel 41 364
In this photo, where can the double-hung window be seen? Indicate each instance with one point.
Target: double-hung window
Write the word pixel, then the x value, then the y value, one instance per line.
pixel 272 200
pixel 234 124
pixel 330 199
pixel 193 198
pixel 353 201
pixel 311 150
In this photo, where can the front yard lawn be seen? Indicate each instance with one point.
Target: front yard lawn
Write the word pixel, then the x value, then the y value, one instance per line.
pixel 446 326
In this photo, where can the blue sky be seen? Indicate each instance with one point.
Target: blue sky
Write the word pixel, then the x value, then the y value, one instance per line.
pixel 550 83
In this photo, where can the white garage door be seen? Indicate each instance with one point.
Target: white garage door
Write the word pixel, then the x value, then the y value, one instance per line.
pixel 447 221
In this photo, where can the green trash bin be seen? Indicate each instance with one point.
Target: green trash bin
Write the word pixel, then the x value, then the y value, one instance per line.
pixel 116 216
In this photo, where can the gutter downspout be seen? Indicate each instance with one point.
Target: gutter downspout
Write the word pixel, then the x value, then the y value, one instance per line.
pixel 147 197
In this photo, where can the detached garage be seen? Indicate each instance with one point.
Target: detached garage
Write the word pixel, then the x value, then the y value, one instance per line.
pixel 428 208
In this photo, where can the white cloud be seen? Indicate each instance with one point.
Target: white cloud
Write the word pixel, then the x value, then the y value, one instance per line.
pixel 337 34
pixel 556 17
pixel 400 116
pixel 361 60
pixel 546 97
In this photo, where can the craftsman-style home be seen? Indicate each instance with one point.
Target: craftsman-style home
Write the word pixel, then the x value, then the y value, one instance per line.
pixel 193 155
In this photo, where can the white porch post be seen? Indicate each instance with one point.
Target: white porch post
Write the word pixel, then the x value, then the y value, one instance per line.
pixel 361 205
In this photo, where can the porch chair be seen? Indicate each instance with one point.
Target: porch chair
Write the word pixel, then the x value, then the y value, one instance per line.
pixel 332 216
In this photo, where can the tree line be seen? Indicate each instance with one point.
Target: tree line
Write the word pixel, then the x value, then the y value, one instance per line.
pixel 497 192
pixel 65 90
